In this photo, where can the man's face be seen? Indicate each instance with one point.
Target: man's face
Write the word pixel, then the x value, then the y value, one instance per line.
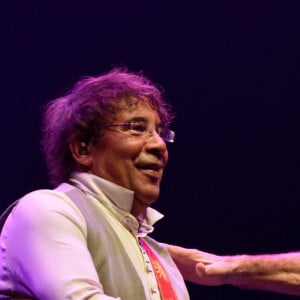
pixel 134 162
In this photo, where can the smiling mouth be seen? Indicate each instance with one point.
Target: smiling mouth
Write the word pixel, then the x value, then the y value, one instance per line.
pixel 153 167
pixel 153 170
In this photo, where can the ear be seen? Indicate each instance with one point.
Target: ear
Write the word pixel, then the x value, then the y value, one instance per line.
pixel 80 152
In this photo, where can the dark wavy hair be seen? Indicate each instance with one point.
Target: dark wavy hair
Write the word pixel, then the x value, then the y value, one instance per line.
pixel 86 109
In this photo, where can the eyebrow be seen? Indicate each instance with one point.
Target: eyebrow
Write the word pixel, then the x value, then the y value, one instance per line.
pixel 141 119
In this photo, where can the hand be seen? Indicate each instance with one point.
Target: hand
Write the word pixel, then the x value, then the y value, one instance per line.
pixel 268 272
pixel 201 267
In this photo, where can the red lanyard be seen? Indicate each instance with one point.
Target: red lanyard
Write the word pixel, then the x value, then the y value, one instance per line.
pixel 165 287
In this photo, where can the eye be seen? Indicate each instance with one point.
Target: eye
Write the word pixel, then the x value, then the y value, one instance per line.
pixel 138 126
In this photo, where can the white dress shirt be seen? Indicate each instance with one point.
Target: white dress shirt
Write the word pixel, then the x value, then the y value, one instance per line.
pixel 80 241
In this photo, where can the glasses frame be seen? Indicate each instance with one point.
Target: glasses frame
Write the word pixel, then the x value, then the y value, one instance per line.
pixel 165 133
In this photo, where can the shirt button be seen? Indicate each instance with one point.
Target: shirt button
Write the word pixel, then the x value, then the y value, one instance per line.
pixel 127 221
pixel 153 290
pixel 148 269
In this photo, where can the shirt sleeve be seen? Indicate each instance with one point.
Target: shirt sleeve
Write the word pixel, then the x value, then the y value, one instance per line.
pixel 46 247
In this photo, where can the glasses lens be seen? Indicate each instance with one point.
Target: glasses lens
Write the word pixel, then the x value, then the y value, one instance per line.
pixel 167 135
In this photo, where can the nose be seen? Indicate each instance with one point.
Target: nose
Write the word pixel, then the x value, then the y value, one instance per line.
pixel 156 145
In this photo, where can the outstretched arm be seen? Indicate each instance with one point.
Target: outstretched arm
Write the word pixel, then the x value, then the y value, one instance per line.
pixel 269 272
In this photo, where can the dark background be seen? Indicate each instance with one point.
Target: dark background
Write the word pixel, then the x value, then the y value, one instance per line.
pixel 231 71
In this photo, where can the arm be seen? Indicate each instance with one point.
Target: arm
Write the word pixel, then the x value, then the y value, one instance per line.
pixel 47 249
pixel 270 272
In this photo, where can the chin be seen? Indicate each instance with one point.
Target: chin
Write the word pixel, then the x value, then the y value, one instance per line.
pixel 148 194
pixel 151 198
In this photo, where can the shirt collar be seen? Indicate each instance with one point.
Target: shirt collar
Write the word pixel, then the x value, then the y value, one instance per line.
pixel 118 195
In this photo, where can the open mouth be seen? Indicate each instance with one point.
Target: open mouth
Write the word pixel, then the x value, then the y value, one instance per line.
pixel 152 170
pixel 153 167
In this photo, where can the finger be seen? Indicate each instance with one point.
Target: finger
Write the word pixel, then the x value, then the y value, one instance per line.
pixel 200 269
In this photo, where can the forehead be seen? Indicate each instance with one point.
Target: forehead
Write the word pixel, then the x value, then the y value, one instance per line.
pixel 142 111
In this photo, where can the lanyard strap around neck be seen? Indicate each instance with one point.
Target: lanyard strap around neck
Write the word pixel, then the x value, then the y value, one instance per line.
pixel 165 287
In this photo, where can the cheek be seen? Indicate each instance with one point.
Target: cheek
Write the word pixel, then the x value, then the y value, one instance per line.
pixel 166 156
pixel 117 160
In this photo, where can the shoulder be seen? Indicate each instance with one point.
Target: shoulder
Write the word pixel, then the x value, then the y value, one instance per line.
pixel 45 199
pixel 46 205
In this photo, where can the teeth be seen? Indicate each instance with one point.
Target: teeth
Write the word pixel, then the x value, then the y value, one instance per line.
pixel 155 168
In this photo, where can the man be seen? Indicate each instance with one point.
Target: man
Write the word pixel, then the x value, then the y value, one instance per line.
pixel 105 147
pixel 269 272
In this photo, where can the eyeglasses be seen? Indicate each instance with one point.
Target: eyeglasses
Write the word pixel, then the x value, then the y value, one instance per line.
pixel 140 129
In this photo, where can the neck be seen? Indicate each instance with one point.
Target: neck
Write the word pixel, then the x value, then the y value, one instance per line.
pixel 139 209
